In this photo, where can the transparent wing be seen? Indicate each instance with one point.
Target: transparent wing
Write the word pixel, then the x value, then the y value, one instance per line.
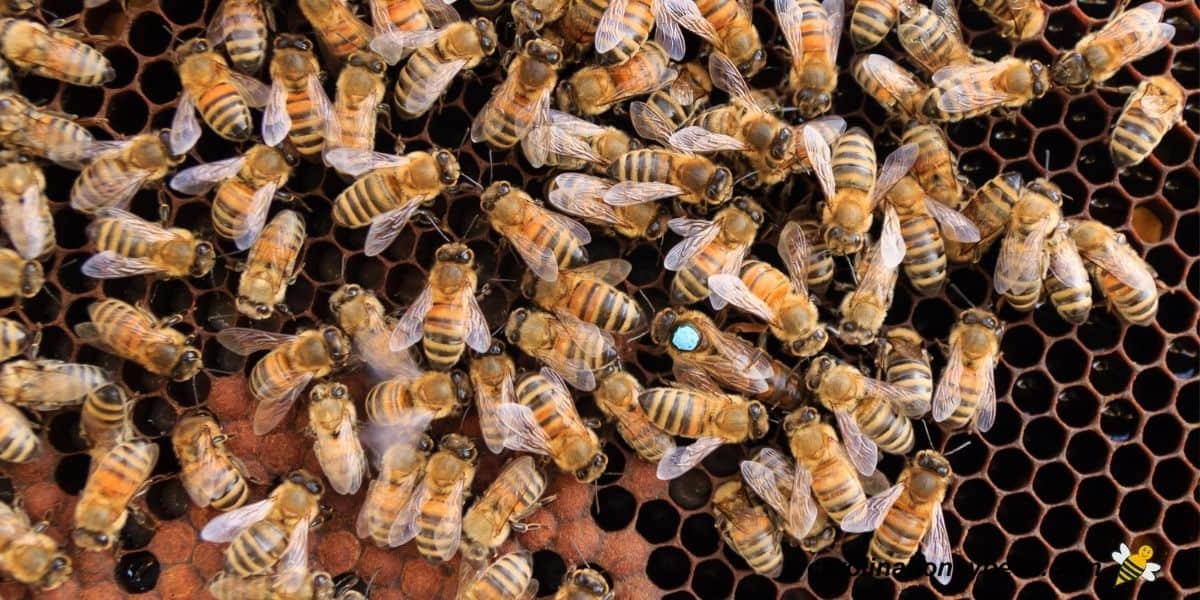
pixel 870 514
pixel 576 229
pixel 794 250
pixel 271 411
pixel 935 546
pixel 890 76
pixel 489 419
pixel 479 336
pixel 583 196
pixel 626 193
pixel 765 484
pixel 802 509
pixel 521 431
pixel 699 140
pixel 895 166
pixel 449 528
pixel 905 403
pixel 739 364
pixel 137 226
pixel 185 128
pixel 611 271
pixel 215 32
pixel 440 13
pixel 975 88
pixel 1020 258
pixel 322 107
pixel 955 226
pixel 687 14
pixel 668 34
pixel 411 325
pixel 404 529
pixel 256 93
pixel 439 80
pixel 837 17
pixel 393 44
pixel 225 527
pixel 879 279
pixel 347 448
pixel 891 239
pixel 26 219
pixel 1137 32
pixel 731 289
pixel 355 162
pixel 985 413
pixel 790 19
pixel 295 555
pixel 1066 265
pixel 538 258
pixel 726 77
pixel 201 178
pixel 699 234
pixel 948 394
pixel 1123 263
pixel 247 231
pixel 609 29
pixel 650 123
pixel 115 190
pixel 820 157
pixel 110 265
pixel 681 459
pixel 385 227
pixel 276 120
pixel 402 431
pixel 245 341
pixel 862 450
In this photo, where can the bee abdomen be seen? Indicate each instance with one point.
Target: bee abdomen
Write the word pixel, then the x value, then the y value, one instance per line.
pixel 761 550
pixel 1134 137
pixel 1137 306
pixel 871 21
pixel 224 109
pixel 445 334
pixel 925 255
pixel 634 29
pixel 897 538
pixel 430 522
pixel 893 433
pixel 854 161
pixel 691 282
pixel 364 200
pixel 605 306
pixel 230 207
pixel 257 548
pixel 18 442
pixel 672 410
pixel 1073 304
pixel 508 577
pixel 413 96
pixel 307 133
pixel 246 39
pixel 232 493
pixel 837 490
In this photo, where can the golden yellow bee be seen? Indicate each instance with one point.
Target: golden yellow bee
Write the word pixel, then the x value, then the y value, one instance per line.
pixel 119 169
pixel 589 293
pixel 895 88
pixel 31 46
pixel 617 397
pixel 509 576
pixel 651 174
pixel 1126 280
pixel 812 30
pixel 44 133
pixel 338 28
pixel 29 556
pixel 786 489
pixel 989 209
pixel 1023 259
pixel 271 267
pixel 390 496
pixel 910 514
pixel 570 143
pixel 246 185
pixel 932 36
pixel 783 301
pixel 298 108
pixel 445 316
pixel 439 393
pixel 15 338
pixel 966 391
pixel 903 362
pixel 705 414
pixel 223 97
pixel 582 196
pixel 936 167
pixel 581 583
pixel 357 103
pixel 574 349
pixel 18 443
pixel 128 245
pixel 711 247
pixel 25 210
pixel 264 533
pixel 389 190
pixel 49 384
pixel 977 89
pixel 362 316
pixel 593 90
pixel 209 471
pixel 822 466
pixel 543 420
pixel 1021 20
pixel 492 374
pixel 514 495
pixel 701 350
pixel 735 36
pixel 871 21
pixel 1128 36
pixel 1149 113
pixel 685 96
pixel 19 276
pixel 748 529
pixel 919 224
pixel 522 99
pixel 106 418
pixel 436 523
pixel 333 419
pixel 295 360
pixel 135 334
pixel 544 239
pixel 388 16
pixel 243 26
pixel 114 480
pixel 1066 280
pixel 440 56
pixel 863 310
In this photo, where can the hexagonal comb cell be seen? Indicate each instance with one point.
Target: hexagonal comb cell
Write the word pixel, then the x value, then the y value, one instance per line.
pixel 1088 446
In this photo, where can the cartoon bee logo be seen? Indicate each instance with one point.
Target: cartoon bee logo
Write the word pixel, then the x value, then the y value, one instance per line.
pixel 1135 565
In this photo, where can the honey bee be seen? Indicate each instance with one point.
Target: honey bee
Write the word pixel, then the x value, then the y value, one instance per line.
pixel 544 421
pixel 594 90
pixel 30 129
pixel 119 169
pixel 20 276
pixel 515 494
pixel 31 46
pixel 522 99
pixel 570 143
pixel 989 209
pixel 545 240
pixel 574 349
pixel 135 334
pixel 389 16
pixel 781 300
pixel 1020 20
pixel 589 293
pixel 293 361
pixel 29 556
pixel 391 495
pixel 532 15
pixel 362 316
pixel 510 576
pixel 1128 36
pixel 711 247
pixel 581 583
pixel 977 89
pixel 357 104
pixel 389 190
pixel 650 174
pixel 852 190
pixel 748 529
pixel 291 581
pixel 685 96
pixel 936 167
pixel 209 471
pixel 47 385
pixel 106 418
pixel 908 514
pixel 1023 260
pixel 918 223
pixel 869 412
pixel 263 533
pixel 340 31
pixel 871 21
pixel 583 196
pixel 904 363
pixel 895 88
pixel 129 245
pixel 967 389
pixel 812 30
pixel 787 491
pixel 334 421
pixel 446 317
pixel 223 97
pixel 438 393
pixel 1066 279
pixel 617 397
pixel 932 36
pixel 700 350
pixel 298 108
pixel 735 35
pixel 705 414
pixel 440 56
pixel 492 375
pixel 246 185
pixel 437 522
pixel 113 481
pixel 15 339
pixel 243 26
pixel 822 462
pixel 1149 113
pixel 1124 277
pixel 25 210
pixel 19 443
pixel 271 267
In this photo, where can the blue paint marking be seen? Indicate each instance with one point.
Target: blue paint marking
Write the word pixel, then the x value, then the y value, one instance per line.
pixel 686 338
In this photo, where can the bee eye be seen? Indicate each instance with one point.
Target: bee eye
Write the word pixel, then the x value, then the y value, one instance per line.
pixel 990 323
pixel 504 188
pixel 101 538
pixel 943 471
pixel 849 326
pixel 581 474
pixel 377 67
pixel 263 309
pixel 58 563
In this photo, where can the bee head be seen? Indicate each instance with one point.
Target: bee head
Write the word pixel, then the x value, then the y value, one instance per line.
pixel 1071 70
pixel 803 417
pixel 460 446
pixel 817 370
pixel 720 186
pixel 512 329
pixel 462 387
pixel 91 540
pixel 369 61
pixel 343 296
pixel 336 344
pixel 1041 78
pixel 760 421
pixel 819 541
pixel 931 473
pixel 192 47
pixel 742 42
pixel 528 17
pixel 494 194
pixel 807 346
pixel 531 285
pixel 203 259
pixel 589 581
pixel 565 96
pixel 488 40
pixel 813 102
pixel 294 41
pixel 455 253
pixel 593 469
pixel 661 326
pixel 497 348
pixel 32 278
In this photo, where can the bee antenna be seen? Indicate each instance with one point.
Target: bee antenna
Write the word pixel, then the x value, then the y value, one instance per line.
pixel 927 436
pixel 471 180
pixel 960 294
pixel 853 274
pixel 744 177
pixel 960 447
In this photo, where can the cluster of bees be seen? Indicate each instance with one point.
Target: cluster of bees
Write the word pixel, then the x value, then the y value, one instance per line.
pixel 619 180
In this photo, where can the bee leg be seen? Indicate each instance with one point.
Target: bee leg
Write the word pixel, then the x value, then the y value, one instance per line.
pixel 1124 89
pixel 383 111
pixel 31 351
pixel 593 423
pixel 170 320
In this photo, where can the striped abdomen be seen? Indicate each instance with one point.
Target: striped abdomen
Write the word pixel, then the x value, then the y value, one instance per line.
pixel 545 233
pixel 785 387
pixel 853 162
pixel 719 13
pixel 819 264
pixel 257 548
pixel 388 401
pixel 308 131
pixel 434 523
pixel 350 113
pixel 645 166
pixel 924 253
pixel 676 411
pixel 934 168
pixel 1138 306
pixel 765 281
pixel 756 540
pixel 1135 135
pixel 539 395
pixel 414 95
pixel 120 324
pixel 245 34
pixel 507 577
pixel 898 537
pixel 892 432
pixel 225 111
pixel 14 338
pixel 666 103
pixel 342 32
pixel 930 42
pixel 814 30
pixel 117 235
pixel 274 374
pixel 910 373
pixel 55 55
pixel 104 419
pixel 231 490
pixel 54 137
pixel 647 440
pixel 989 209
pixel 835 485
pixel 405 15
pixel 384 503
pixel 91 190
pixel 968 389
pixel 230 207
pixel 445 329
pixel 371 195
pixel 18 442
pixel 634 30
pixel 871 21
pixel 115 479
pixel 580 20
pixel 1073 304
pixel 724 119
pixel 691 282
pixel 602 304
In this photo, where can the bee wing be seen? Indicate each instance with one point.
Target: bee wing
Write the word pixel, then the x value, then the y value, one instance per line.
pixel 639 86
pixel 802 509
pixel 611 271
pixel 59 387
pixel 741 364
pixel 506 89
pixel 449 528
pixel 206 473
pixel 393 44
pixel 686 14
pixel 355 162
pixel 1136 32
pixel 985 413
pixel 890 76
pixel 681 459
pixel 521 430
pixel 493 433
pixel 836 11
pixel 790 18
pixel 731 289
pixel 296 552
pixel 271 411
pixel 116 190
pixel 608 30
pixel 440 13
pixel 25 219
pixel 870 514
pixel 650 123
pixel 576 371
pixel 891 239
pixel 385 227
pixel 820 157
pixel 538 258
pixel 699 140
pixel 955 226
pixel 110 265
pixel 765 483
pixel 247 231
pixel 404 528
pixel 794 250
pixel 697 235
pixel 576 229
pixel 276 120
pixel 1066 265
pixel 411 325
pixel 895 166
pixel 1122 553
pixel 862 450
pixel 403 430
pixel 904 402
pixel 143 329
pixel 201 178
pixel 1158 107
pixel 948 16
pixel 1020 259
pixel 969 87
pixel 627 193
pixel 479 335
pixel 1124 264
pixel 216 32
pixel 225 527
pixel 935 546
pixel 879 278
pixel 255 92
pixel 343 445
pixel 441 78
pixel 1151 569
pixel 573 125
pixel 726 77
pixel 246 341
pixel 547 138
pixel 583 196
pixel 948 394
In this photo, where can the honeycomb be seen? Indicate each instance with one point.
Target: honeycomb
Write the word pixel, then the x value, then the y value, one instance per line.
pixel 1087 450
